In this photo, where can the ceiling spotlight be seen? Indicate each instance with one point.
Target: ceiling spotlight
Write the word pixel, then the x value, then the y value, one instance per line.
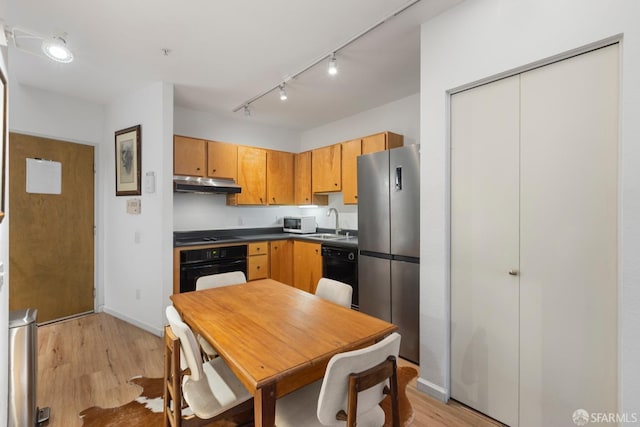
pixel 283 93
pixel 333 66
pixel 56 49
pixel 247 112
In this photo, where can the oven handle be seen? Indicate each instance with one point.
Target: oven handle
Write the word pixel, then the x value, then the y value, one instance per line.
pixel 206 264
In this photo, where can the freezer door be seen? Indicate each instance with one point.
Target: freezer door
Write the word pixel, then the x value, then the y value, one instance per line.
pixel 374 286
pixel 373 202
pixel 404 190
pixel 405 313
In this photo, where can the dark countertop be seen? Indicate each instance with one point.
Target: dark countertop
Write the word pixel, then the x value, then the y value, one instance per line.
pixel 242 235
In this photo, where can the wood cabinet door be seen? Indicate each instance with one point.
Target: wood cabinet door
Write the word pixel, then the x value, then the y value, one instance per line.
pixel 302 194
pixel 307 265
pixel 222 160
pixel 281 261
pixel 189 156
pixel 350 152
pixel 326 165
pixel 280 178
pixel 252 173
pixel 381 141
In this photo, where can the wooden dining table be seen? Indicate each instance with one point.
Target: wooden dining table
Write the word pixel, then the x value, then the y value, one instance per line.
pixel 274 337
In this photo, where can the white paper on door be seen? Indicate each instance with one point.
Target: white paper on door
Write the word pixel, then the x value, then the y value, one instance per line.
pixel 44 176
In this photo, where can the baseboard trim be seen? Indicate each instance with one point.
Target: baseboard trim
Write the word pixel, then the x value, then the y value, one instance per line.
pixel 149 328
pixel 432 390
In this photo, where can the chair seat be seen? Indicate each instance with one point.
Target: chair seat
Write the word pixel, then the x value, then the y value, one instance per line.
pixel 219 391
pixel 300 409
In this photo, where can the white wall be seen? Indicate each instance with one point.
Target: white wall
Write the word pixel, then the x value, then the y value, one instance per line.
pixel 138 261
pixel 484 38
pixel 4 260
pixel 200 212
pixel 401 116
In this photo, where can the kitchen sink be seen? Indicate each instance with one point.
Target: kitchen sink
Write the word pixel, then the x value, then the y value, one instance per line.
pixel 325 236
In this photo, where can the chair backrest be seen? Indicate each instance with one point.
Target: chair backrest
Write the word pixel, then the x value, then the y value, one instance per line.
pixel 220 279
pixel 190 351
pixel 335 386
pixel 335 291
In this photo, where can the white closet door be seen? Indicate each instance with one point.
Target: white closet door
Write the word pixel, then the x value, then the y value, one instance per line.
pixel 568 237
pixel 484 247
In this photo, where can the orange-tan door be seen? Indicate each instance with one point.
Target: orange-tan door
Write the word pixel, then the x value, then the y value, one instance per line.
pixel 51 240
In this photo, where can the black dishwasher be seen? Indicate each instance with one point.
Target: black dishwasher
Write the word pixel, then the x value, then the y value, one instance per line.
pixel 341 263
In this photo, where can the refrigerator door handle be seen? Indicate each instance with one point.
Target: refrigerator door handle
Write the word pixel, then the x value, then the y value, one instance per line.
pixel 398 178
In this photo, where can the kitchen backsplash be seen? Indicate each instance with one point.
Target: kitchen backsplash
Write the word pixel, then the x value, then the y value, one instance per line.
pixel 204 212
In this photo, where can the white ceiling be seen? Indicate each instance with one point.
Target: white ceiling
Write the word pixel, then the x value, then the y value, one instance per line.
pixel 225 52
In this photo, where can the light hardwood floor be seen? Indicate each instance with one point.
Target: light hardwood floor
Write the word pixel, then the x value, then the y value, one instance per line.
pixel 87 361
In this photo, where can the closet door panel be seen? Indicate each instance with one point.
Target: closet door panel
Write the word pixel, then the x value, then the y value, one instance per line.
pixel 484 247
pixel 568 235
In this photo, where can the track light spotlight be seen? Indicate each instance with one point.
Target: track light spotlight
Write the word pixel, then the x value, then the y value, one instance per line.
pixel 283 93
pixel 333 66
pixel 247 112
pixel 56 49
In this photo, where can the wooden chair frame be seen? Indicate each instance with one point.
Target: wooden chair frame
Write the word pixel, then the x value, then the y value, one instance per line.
pixel 173 402
pixel 364 380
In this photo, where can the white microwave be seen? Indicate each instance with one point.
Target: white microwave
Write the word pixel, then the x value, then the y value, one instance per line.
pixel 299 224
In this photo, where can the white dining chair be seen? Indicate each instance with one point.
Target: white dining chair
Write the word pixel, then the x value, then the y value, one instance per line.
pixel 220 279
pixel 211 389
pixel 354 384
pixel 215 281
pixel 334 291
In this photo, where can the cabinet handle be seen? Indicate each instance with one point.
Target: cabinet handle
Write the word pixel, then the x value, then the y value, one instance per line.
pixel 335 183
pixel 214 170
pixel 513 272
pixel 274 199
pixel 356 196
pixel 258 267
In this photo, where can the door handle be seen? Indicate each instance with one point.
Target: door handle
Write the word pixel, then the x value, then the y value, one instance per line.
pixel 399 178
pixel 513 272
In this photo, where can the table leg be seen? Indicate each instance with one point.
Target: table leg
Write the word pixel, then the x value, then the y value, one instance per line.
pixel 264 405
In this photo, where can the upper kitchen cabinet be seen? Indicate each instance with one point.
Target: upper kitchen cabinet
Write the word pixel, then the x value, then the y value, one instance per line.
pixel 302 182
pixel 381 141
pixel 189 156
pixel 326 173
pixel 280 169
pixel 222 160
pixel 350 152
pixel 252 177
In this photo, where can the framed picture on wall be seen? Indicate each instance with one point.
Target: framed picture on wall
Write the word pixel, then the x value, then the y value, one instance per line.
pixel 3 127
pixel 128 161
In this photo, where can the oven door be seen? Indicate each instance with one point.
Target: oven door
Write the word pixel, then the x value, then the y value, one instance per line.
pixel 191 272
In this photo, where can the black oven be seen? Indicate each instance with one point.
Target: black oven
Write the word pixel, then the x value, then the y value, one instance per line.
pixel 195 263
pixel 341 263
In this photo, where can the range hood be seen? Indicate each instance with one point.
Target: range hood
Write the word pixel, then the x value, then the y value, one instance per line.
pixel 196 184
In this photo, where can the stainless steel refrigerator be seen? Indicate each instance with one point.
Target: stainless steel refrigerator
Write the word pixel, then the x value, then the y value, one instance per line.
pixel 389 241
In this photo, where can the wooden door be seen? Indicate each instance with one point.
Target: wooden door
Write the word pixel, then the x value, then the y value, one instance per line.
pixel 326 169
pixel 280 178
pixel 51 243
pixel 350 152
pixel 281 261
pixel 252 176
pixel 568 237
pixel 222 160
pixel 189 156
pixel 484 247
pixel 307 265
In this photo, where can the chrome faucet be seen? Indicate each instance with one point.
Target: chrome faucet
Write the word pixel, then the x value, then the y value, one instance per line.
pixel 337 219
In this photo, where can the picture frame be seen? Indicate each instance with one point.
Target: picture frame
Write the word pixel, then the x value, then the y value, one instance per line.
pixel 128 161
pixel 3 155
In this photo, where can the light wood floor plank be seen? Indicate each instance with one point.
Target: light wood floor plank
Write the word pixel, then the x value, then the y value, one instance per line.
pixel 87 361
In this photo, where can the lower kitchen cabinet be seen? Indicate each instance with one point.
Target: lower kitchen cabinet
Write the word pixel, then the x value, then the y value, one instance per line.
pixel 281 261
pixel 307 265
pixel 257 260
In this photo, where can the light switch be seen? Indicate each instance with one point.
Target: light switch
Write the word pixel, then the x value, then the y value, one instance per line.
pixel 133 206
